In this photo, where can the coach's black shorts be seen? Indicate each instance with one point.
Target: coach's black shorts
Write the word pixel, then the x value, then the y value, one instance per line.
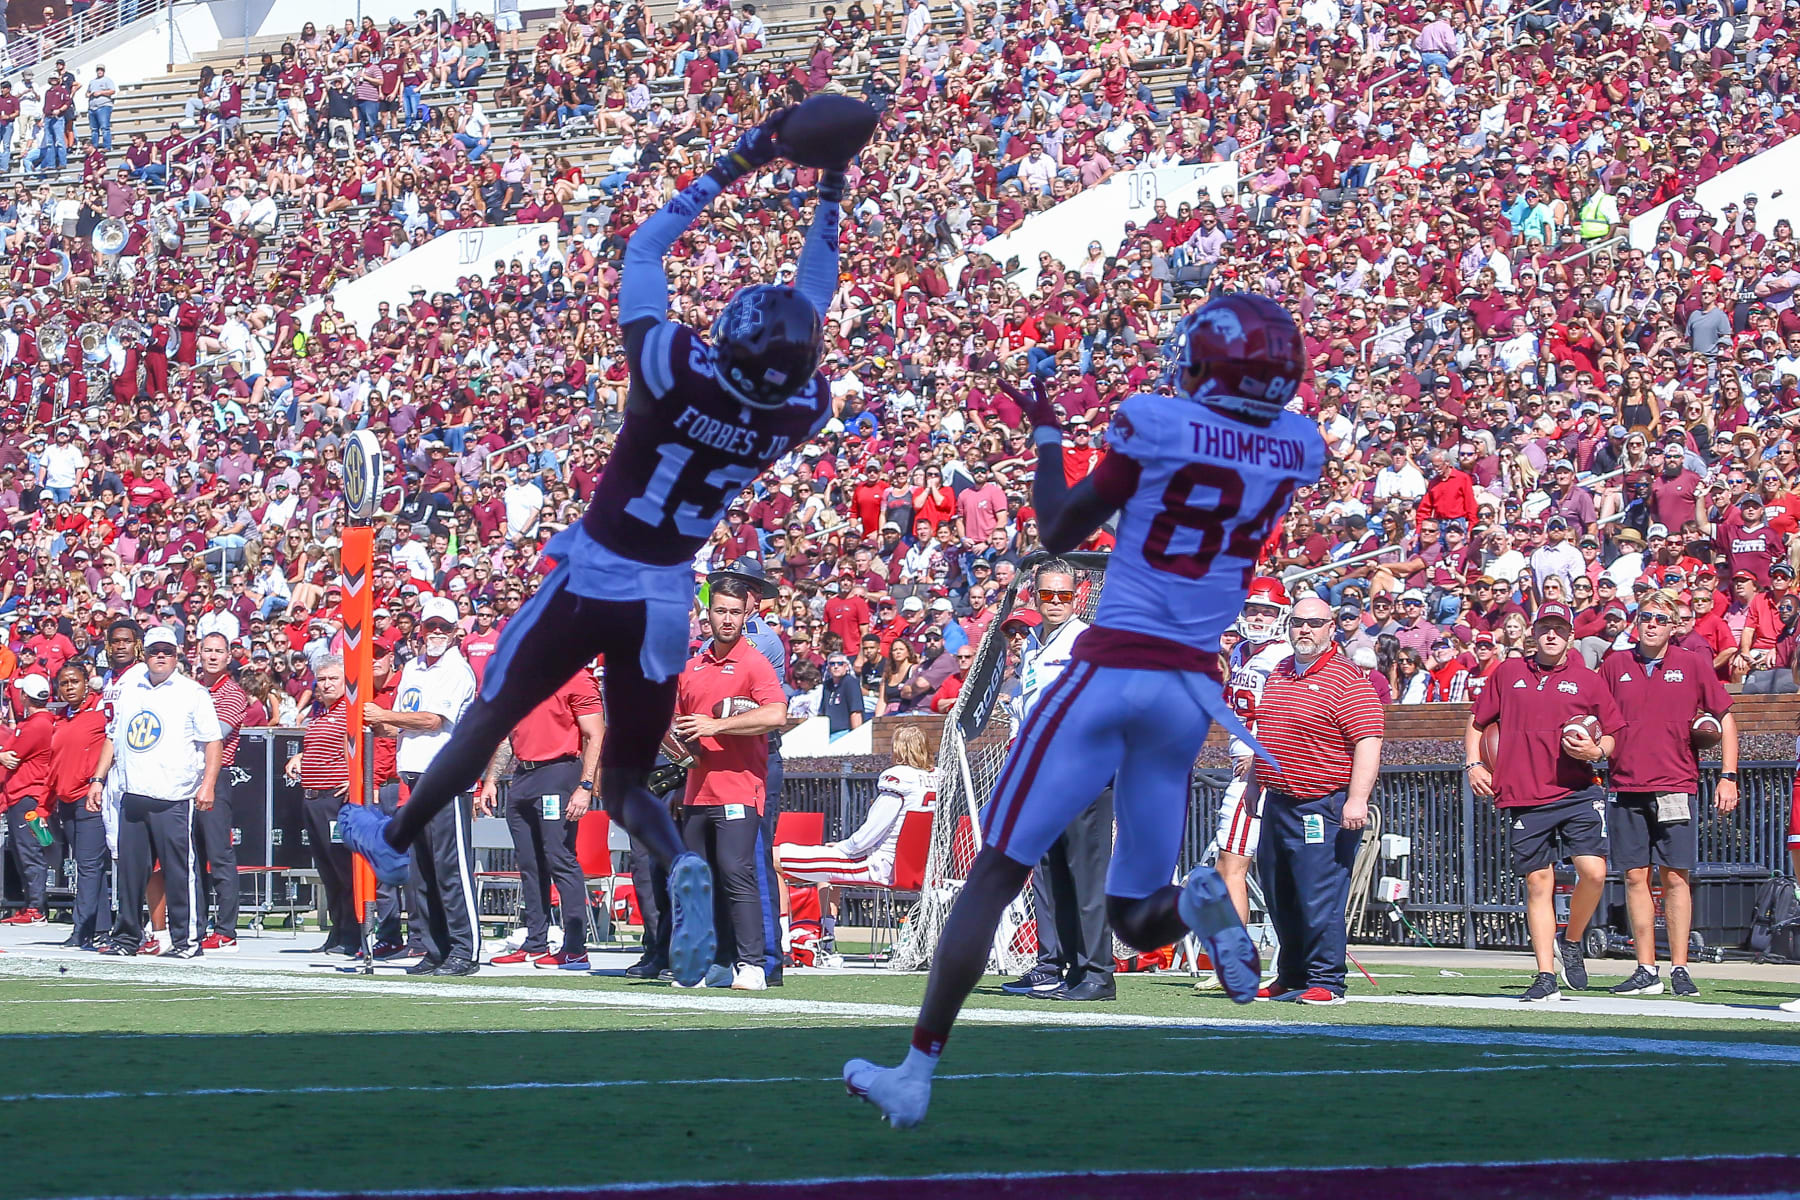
pixel 1640 840
pixel 1547 834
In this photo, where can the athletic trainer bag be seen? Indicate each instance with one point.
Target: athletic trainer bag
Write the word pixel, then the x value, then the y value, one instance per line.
pixel 1775 925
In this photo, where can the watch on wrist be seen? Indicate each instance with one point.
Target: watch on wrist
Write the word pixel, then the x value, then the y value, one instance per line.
pixel 586 783
pixel 1472 765
pixel 1728 776
pixel 96 779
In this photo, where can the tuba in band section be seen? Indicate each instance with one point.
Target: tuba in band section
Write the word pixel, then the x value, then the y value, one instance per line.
pixel 110 237
pixel 92 338
pixel 166 229
pixel 53 339
pixel 126 333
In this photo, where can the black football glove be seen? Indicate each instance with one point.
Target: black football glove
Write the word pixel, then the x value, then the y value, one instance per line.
pixel 1039 412
pixel 754 148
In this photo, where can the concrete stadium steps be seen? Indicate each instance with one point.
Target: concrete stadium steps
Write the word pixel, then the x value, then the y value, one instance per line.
pixel 150 106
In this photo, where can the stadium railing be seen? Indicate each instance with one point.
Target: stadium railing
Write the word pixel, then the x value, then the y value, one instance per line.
pixel 1463 890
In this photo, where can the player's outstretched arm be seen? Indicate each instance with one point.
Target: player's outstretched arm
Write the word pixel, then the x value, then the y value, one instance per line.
pixel 1067 516
pixel 643 280
pixel 817 275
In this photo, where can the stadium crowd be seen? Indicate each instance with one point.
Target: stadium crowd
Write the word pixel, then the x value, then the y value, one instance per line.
pixel 1520 406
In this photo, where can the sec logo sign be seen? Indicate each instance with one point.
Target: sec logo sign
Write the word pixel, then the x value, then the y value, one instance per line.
pixel 409 700
pixel 143 731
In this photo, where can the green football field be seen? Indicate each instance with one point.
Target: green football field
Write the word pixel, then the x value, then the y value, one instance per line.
pixel 167 1078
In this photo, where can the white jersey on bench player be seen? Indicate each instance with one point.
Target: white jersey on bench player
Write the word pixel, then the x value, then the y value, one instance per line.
pixel 866 856
pixel 1264 626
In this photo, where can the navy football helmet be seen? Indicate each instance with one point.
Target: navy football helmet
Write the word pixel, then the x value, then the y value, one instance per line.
pixel 766 344
pixel 1247 351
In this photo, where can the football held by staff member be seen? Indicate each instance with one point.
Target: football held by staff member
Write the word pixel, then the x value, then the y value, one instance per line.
pixel 1656 783
pixel 1549 795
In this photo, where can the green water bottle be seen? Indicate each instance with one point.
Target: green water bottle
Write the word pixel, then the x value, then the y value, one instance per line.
pixel 34 821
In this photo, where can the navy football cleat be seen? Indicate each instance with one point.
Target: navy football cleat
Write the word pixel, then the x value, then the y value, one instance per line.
pixel 361 827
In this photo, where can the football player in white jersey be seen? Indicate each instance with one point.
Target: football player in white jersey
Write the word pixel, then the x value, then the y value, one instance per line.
pixel 1263 626
pixel 1198 475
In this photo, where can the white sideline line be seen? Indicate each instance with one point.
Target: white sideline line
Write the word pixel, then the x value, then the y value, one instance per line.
pixel 644 999
pixel 538 1085
pixel 773 1186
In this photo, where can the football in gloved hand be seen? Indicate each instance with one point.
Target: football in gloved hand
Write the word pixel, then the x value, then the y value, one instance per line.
pixel 826 130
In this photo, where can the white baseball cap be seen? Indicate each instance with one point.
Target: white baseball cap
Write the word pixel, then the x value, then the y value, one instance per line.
pixel 161 635
pixel 35 686
pixel 438 607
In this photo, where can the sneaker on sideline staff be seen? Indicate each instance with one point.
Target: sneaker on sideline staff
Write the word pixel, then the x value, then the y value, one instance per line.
pixel 1549 789
pixel 214 826
pixel 555 755
pixel 75 744
pixel 435 689
pixel 1656 783
pixel 164 741
pixel 1321 720
pixel 722 810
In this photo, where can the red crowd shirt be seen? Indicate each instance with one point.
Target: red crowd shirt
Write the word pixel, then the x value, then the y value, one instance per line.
pixel 1652 752
pixel 31 778
pixel 325 749
pixel 478 647
pixel 1532 704
pixel 1310 721
pixel 75 743
pixel 549 730
pixel 233 705
pixel 732 769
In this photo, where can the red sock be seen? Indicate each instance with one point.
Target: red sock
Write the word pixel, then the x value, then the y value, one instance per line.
pixel 928 1042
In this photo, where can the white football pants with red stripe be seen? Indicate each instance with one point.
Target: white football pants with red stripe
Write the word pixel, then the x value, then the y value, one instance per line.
pixel 825 864
pixel 1141 730
pixel 1240 819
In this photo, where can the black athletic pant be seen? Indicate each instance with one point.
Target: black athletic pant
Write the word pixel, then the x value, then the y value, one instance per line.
pixel 729 845
pixel 545 643
pixel 390 900
pixel 1068 894
pixel 546 846
pixel 152 831
pixel 85 833
pixel 27 853
pixel 650 880
pixel 443 882
pixel 336 866
pixel 213 845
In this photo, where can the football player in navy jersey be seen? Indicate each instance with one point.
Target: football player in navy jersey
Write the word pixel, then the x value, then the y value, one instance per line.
pixel 705 416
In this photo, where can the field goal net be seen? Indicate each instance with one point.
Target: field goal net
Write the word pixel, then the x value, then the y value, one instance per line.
pixel 976 736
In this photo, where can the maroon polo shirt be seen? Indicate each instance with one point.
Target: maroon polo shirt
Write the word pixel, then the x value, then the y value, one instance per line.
pixel 1653 751
pixel 1532 703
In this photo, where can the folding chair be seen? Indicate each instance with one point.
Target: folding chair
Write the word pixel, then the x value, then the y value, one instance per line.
pixel 800 828
pixel 594 851
pixel 910 854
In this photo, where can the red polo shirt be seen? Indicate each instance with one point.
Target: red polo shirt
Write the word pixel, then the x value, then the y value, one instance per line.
pixel 1311 720
pixel 75 743
pixel 1532 704
pixel 31 778
pixel 1653 752
pixel 549 730
pixel 731 769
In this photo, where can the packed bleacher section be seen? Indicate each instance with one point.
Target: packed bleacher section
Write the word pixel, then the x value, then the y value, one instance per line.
pixel 1518 403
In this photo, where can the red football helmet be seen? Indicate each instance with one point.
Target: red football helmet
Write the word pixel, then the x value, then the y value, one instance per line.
pixel 1246 350
pixel 1266 609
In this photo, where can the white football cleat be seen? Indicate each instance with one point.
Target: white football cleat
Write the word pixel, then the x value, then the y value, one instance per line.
pixel 718 975
pixel 749 978
pixel 901 1096
pixel 1792 1006
pixel 692 941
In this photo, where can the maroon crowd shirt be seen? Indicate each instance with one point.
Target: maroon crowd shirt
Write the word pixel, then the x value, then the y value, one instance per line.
pixel 1653 751
pixel 1532 703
